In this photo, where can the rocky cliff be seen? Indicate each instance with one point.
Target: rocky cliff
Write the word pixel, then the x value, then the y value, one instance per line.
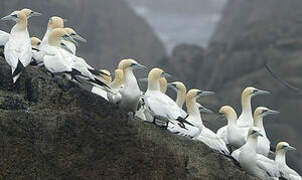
pixel 249 34
pixel 112 29
pixel 52 129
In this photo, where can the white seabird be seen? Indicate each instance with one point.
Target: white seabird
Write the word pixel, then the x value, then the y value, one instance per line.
pixel 280 159
pixel 58 63
pixel 257 164
pixel 206 136
pixel 159 105
pixel 17 50
pixel 53 22
pixel 236 136
pixel 264 143
pixel 4 36
pixel 246 117
pixel 37 54
pixel 115 96
pixel 181 90
pixel 130 92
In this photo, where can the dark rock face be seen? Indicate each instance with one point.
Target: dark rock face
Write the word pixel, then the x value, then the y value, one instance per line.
pixel 249 34
pixel 112 29
pixel 51 129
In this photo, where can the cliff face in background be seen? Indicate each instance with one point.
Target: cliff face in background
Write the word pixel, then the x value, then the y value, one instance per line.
pixel 112 29
pixel 52 129
pixel 250 33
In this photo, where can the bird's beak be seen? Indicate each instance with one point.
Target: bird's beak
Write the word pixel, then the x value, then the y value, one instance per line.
pixel 140 66
pixel 172 86
pixel 65 47
pixel 166 75
pixel 290 148
pixel 79 38
pixel 6 18
pixel 262 92
pixel 205 110
pixel 35 14
pixel 205 93
pixel 70 39
pixel 272 112
pixel 259 134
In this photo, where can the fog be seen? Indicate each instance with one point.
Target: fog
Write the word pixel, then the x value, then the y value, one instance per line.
pixel 181 21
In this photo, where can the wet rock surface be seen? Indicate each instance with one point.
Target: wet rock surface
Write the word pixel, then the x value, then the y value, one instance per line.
pixel 52 129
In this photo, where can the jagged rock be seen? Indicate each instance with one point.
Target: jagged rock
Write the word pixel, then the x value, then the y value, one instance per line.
pixel 52 129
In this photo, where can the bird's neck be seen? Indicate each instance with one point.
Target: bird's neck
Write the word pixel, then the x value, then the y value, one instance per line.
pixel 153 84
pixel 181 97
pixel 129 78
pixel 20 26
pixel 258 122
pixel 246 104
pixel 232 120
pixel 252 143
pixel 280 157
pixel 117 83
pixel 192 108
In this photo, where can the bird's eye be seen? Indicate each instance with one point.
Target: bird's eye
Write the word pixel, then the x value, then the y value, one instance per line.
pixel 38 43
pixel 264 111
pixel 62 44
pixel 254 91
pixel 72 34
pixel 15 15
pixel 133 64
pixel 283 147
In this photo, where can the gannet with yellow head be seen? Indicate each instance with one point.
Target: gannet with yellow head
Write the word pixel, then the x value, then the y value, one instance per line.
pixel 264 143
pixel 236 136
pixel 181 90
pixel 159 105
pixel 130 92
pixel 71 32
pixel 57 63
pixel 115 96
pixel 53 22
pixel 17 50
pixel 206 136
pixel 246 117
pixel 257 164
pixel 4 36
pixel 280 159
pixel 163 84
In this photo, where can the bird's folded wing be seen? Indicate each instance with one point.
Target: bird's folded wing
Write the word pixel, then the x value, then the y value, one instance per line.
pixel 269 166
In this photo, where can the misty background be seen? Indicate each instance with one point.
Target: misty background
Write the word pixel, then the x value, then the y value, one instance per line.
pixel 214 45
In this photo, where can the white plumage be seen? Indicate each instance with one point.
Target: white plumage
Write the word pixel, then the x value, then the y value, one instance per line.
pixel 17 50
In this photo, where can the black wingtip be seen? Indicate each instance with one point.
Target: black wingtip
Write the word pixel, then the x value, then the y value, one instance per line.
pixel 96 81
pixel 18 70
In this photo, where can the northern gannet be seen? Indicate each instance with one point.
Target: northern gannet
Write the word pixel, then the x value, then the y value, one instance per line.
pixel 163 84
pixel 181 90
pixel 4 36
pixel 280 159
pixel 107 80
pixel 130 92
pixel 17 50
pixel 257 164
pixel 206 136
pixel 246 117
pixel 37 54
pixel 141 112
pixel 58 63
pixel 236 136
pixel 264 143
pixel 53 22
pixel 71 32
pixel 115 96
pixel 159 105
